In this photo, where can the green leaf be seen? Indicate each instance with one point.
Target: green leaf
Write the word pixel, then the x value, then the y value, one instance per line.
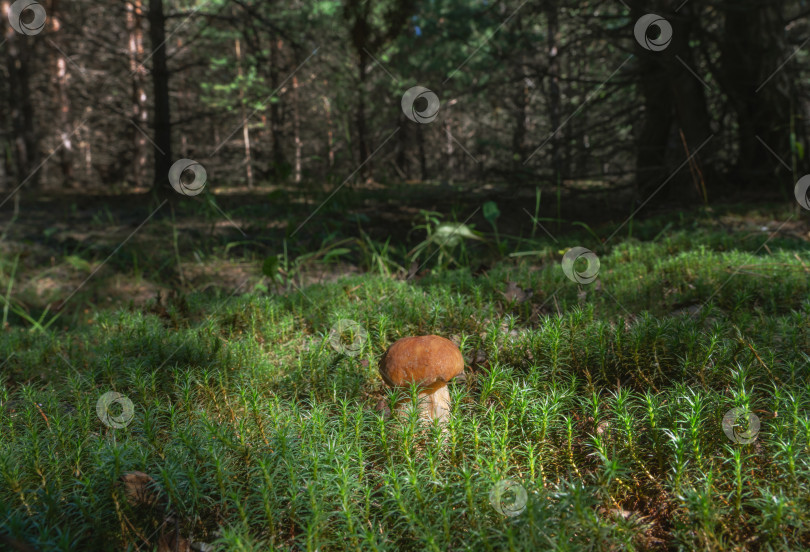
pixel 260 287
pixel 336 253
pixel 451 234
pixel 491 212
pixel 526 253
pixel 77 262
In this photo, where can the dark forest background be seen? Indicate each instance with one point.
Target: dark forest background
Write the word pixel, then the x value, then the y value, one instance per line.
pixel 551 93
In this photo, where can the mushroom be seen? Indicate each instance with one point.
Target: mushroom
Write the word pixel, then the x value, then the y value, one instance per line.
pixel 429 361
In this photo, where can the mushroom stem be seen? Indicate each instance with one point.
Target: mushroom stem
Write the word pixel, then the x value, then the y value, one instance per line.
pixel 438 405
pixel 433 404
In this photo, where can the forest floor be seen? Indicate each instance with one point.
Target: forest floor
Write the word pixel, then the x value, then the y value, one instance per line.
pixel 591 416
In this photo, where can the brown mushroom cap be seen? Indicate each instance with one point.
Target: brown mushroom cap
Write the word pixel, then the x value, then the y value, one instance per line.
pixel 425 360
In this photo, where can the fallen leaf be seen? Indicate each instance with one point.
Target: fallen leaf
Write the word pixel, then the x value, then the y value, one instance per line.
pixel 170 541
pixel 412 270
pixel 141 490
pixel 514 293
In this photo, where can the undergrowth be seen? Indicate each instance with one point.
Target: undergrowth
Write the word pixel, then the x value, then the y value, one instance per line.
pixel 603 401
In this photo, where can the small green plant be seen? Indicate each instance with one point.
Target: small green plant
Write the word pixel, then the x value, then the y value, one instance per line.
pixel 491 214
pixel 442 240
pixel 283 267
pixel 20 309
pixel 378 258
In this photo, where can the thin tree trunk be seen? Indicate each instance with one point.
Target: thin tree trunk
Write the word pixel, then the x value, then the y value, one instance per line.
pixel 61 88
pixel 752 49
pixel 140 112
pixel 656 94
pixel 160 83
pixel 448 150
pixel 582 156
pixel 296 129
pixel 86 144
pixel 360 118
pixel 245 128
pixel 215 133
pixel 573 129
pixel 327 106
pixel 18 66
pixel 521 100
pixel 402 148
pixel 689 101
pixel 554 97
pixel 367 37
pixel 275 111
pixel 420 139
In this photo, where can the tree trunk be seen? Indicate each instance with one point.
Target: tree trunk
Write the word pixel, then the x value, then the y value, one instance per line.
pixel 61 89
pixel 582 158
pixel 651 154
pixel 656 94
pixel 358 15
pixel 691 111
pixel 402 164
pixel 521 102
pixel 18 66
pixel 275 112
pixel 673 92
pixel 420 138
pixel 327 106
pixel 554 99
pixel 752 51
pixel 360 118
pixel 448 162
pixel 296 129
pixel 160 84
pixel 366 38
pixel 245 128
pixel 140 113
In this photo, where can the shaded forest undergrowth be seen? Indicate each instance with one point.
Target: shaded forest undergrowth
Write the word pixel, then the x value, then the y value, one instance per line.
pixel 603 401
